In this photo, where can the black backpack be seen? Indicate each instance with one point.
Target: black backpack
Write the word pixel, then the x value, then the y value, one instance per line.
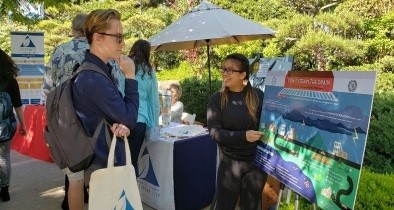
pixel 64 133
pixel 7 116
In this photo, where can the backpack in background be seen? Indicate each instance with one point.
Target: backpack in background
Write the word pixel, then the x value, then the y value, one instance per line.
pixel 66 138
pixel 7 116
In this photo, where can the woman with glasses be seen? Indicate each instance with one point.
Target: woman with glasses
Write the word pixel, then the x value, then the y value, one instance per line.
pixel 96 96
pixel 233 116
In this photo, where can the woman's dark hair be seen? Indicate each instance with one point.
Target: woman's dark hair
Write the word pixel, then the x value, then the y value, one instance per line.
pixel 251 99
pixel 8 69
pixel 140 53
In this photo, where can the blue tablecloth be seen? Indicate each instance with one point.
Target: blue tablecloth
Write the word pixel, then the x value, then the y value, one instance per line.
pixel 194 172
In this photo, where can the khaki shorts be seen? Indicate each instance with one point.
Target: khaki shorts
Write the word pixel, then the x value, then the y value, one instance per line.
pixel 74 177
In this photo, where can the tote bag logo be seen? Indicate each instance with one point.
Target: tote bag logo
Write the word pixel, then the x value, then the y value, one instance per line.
pixel 123 203
pixel 145 169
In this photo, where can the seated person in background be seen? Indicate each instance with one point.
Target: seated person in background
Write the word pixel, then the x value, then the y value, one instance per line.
pixel 176 105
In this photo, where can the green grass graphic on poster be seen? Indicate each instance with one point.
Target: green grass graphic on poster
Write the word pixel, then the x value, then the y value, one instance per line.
pixel 316 126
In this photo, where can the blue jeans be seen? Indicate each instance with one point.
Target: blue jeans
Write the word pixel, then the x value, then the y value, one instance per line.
pixel 5 163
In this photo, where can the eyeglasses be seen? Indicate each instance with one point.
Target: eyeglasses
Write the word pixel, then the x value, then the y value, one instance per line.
pixel 229 71
pixel 119 37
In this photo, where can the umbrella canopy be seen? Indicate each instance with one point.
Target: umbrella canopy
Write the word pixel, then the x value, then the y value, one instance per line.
pixel 206 25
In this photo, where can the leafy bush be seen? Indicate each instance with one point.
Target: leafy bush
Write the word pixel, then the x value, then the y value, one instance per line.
pixel 166 60
pixel 375 191
pixel 388 64
pixel 183 71
pixel 380 147
pixel 196 94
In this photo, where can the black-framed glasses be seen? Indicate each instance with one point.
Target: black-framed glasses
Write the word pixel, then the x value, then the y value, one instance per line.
pixel 229 71
pixel 119 37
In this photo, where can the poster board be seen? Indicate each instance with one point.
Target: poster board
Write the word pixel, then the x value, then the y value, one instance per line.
pixel 316 126
pixel 259 69
pixel 27 50
pixel 261 66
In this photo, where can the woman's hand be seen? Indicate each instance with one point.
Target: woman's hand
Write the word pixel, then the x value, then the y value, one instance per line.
pixel 253 136
pixel 120 130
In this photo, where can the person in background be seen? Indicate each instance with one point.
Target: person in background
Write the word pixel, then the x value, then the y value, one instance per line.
pixel 149 108
pixel 8 84
pixel 96 97
pixel 176 105
pixel 66 57
pixel 233 116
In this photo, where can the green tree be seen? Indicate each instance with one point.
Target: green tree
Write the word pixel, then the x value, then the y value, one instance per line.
pixel 370 9
pixel 13 8
pixel 325 48
pixel 311 7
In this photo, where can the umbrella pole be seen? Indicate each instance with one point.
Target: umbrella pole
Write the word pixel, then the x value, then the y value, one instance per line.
pixel 209 66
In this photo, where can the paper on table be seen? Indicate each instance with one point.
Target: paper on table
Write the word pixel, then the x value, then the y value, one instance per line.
pixel 185 130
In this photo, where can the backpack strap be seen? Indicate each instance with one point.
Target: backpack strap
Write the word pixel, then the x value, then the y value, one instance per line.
pixel 89 66
pixel 98 128
pixel 102 123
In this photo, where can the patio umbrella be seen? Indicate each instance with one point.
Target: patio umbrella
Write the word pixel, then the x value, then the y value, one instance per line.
pixel 207 25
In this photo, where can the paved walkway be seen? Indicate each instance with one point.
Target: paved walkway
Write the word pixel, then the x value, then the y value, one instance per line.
pixel 36 185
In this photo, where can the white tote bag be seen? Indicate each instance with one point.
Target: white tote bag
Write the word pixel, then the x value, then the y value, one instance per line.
pixel 114 188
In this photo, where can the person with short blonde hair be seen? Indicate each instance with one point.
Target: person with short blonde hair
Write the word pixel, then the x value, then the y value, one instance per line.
pixel 96 96
pixel 99 21
pixel 64 61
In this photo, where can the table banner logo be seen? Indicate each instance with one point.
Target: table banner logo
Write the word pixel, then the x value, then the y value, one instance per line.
pixel 145 168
